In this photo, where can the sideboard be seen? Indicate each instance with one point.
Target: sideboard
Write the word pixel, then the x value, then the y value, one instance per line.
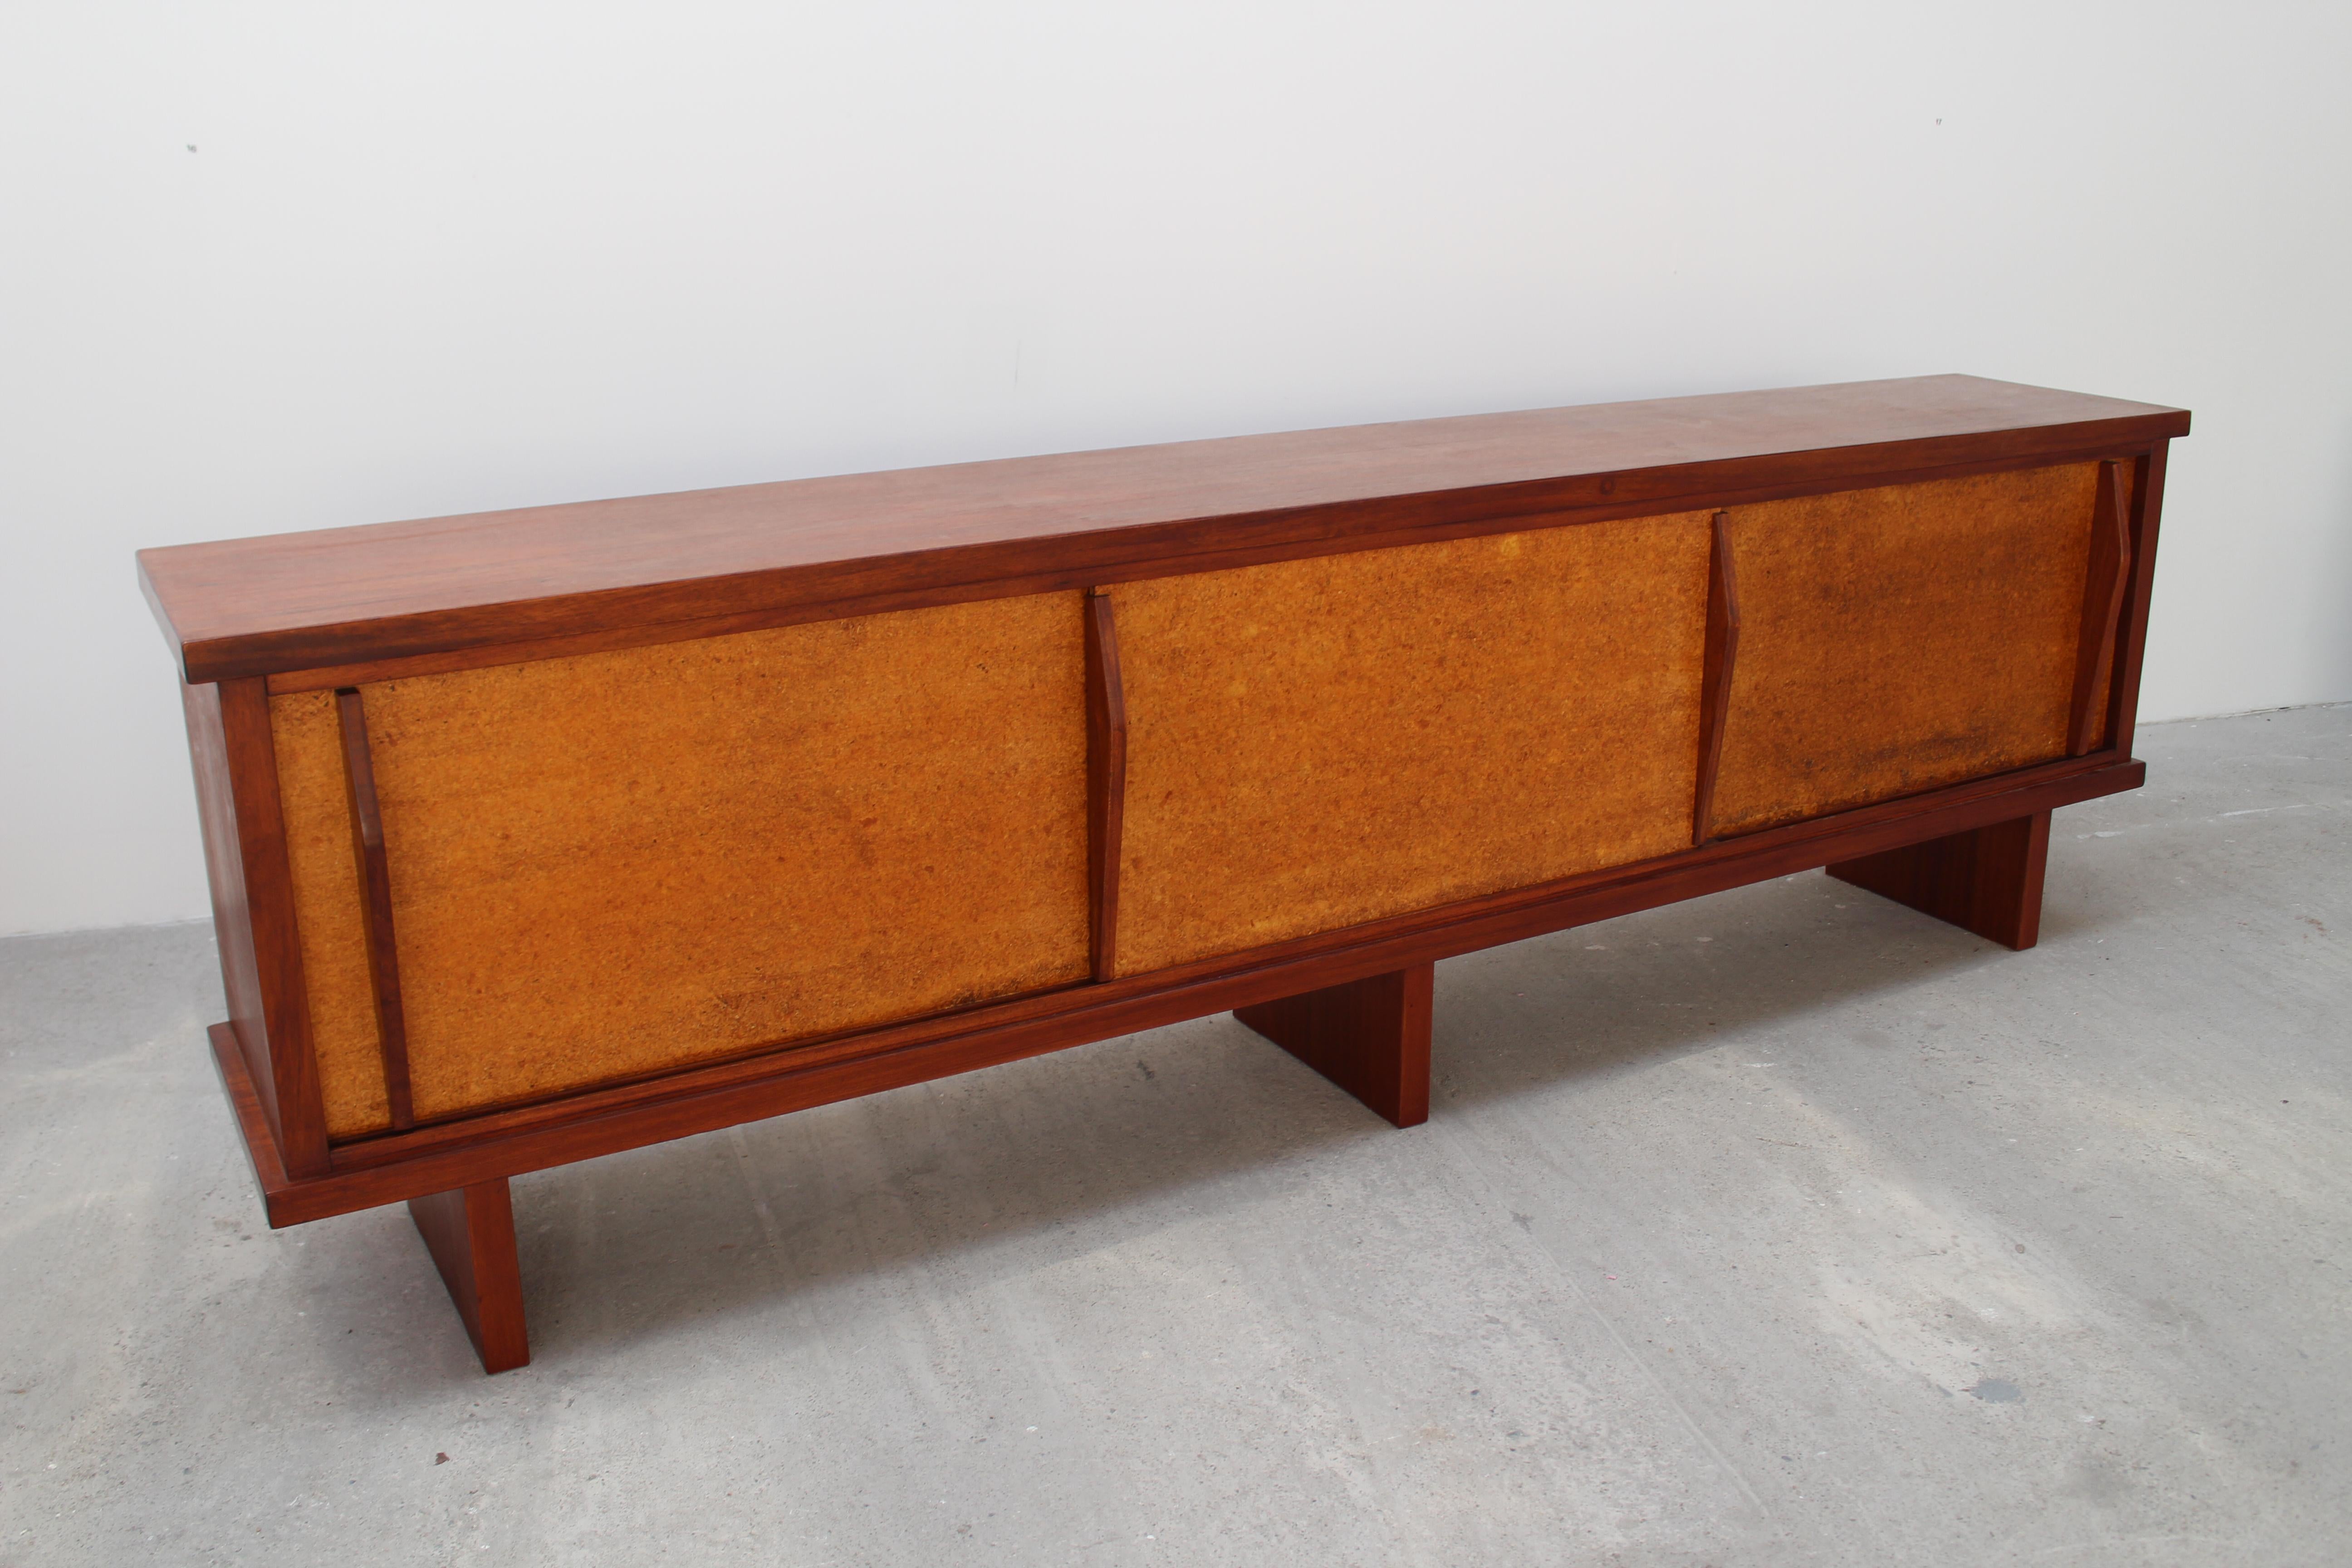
pixel 540 835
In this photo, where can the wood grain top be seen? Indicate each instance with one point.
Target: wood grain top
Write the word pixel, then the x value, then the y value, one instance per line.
pixel 702 562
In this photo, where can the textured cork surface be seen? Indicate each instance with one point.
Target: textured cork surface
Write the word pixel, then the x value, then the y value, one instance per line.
pixel 1896 639
pixel 1317 744
pixel 611 864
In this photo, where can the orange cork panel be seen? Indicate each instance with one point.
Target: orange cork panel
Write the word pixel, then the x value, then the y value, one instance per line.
pixel 317 804
pixel 1893 640
pixel 607 866
pixel 1316 743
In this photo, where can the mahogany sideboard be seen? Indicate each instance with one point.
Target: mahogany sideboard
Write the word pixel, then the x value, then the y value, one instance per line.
pixel 538 834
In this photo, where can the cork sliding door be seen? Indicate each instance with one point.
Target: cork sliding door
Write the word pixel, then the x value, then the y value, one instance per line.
pixel 611 864
pixel 1317 744
pixel 1896 640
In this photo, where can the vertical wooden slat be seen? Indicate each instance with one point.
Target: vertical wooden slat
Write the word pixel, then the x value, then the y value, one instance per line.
pixel 2103 599
pixel 1106 778
pixel 375 905
pixel 291 1097
pixel 2147 502
pixel 1715 679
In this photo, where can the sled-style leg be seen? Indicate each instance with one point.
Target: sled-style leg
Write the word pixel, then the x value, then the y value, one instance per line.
pixel 1988 880
pixel 471 1235
pixel 1369 1036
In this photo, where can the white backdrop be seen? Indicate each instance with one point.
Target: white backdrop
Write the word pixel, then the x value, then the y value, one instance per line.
pixel 268 267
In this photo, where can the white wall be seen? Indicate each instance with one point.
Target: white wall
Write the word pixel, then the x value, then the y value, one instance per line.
pixel 431 258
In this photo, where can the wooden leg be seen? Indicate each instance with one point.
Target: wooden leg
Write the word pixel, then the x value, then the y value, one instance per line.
pixel 471 1235
pixel 1987 881
pixel 1368 1036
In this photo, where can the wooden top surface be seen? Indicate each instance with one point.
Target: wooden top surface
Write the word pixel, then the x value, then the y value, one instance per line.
pixel 753 554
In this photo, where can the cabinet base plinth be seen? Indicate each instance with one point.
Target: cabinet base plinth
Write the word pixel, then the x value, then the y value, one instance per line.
pixel 1987 881
pixel 1369 1036
pixel 470 1233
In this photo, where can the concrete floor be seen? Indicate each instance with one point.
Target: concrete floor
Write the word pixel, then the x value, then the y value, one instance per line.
pixel 1788 1226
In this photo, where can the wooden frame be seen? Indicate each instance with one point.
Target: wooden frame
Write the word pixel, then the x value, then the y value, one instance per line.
pixel 251 618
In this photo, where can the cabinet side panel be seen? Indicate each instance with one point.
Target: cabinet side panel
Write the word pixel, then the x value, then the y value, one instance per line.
pixel 328 913
pixel 1893 640
pixel 225 870
pixel 292 1097
pixel 1316 743
pixel 607 866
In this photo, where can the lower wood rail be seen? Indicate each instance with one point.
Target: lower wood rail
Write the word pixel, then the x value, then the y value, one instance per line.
pixel 1370 1035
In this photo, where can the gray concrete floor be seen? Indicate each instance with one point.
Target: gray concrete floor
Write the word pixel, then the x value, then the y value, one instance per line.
pixel 1786 1226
